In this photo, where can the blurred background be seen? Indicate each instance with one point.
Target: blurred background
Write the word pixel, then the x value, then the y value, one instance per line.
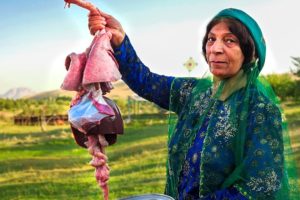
pixel 38 156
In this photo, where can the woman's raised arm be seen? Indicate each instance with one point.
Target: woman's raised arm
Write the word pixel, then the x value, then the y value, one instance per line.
pixel 137 76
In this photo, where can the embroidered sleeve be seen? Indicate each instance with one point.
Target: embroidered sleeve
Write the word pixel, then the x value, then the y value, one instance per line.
pixel 264 153
pixel 180 92
pixel 151 86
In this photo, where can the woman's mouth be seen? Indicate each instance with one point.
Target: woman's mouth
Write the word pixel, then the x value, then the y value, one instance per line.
pixel 217 63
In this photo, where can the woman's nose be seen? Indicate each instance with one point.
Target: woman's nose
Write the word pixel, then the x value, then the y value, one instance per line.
pixel 217 47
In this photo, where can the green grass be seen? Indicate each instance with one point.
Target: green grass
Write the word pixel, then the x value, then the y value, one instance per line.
pixel 292 113
pixel 35 165
pixel 49 165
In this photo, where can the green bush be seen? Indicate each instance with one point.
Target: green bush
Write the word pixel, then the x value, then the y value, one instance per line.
pixel 283 85
pixel 297 90
pixel 47 106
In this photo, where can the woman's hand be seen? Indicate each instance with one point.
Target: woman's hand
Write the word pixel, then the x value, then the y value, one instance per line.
pixel 101 20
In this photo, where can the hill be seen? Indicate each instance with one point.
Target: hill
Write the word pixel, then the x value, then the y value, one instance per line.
pixel 120 91
pixel 51 94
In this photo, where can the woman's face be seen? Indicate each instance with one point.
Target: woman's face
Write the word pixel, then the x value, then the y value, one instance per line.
pixel 223 52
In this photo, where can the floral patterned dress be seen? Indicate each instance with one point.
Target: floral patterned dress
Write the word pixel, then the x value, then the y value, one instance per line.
pixel 210 159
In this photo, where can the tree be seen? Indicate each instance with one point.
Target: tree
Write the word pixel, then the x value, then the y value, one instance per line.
pixel 296 62
pixel 282 84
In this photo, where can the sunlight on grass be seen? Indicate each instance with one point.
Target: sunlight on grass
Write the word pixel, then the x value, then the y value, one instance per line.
pixel 50 165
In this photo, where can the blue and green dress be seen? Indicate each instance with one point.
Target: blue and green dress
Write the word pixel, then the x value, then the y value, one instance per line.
pixel 201 148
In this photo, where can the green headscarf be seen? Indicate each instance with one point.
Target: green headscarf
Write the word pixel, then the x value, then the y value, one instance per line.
pixel 253 28
pixel 244 82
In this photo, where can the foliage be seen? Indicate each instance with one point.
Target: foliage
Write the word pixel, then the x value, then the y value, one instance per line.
pixel 60 105
pixel 297 90
pixel 283 85
pixel 46 106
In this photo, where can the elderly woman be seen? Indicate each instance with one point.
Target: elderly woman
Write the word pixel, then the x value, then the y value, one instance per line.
pixel 225 138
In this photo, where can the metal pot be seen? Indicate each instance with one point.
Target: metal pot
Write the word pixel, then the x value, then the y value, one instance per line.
pixel 148 197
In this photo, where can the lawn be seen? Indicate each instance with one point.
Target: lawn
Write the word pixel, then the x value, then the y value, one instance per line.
pixel 35 165
pixel 49 165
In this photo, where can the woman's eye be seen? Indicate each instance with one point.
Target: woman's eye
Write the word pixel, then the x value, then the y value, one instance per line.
pixel 230 40
pixel 210 39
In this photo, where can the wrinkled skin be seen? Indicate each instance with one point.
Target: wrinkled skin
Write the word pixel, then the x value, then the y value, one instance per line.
pixel 223 52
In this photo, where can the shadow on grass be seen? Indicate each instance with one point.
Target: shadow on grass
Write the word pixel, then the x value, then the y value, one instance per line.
pixel 134 151
pixel 294 123
pixel 41 164
pixel 37 134
pixel 142 132
pixel 49 189
pixel 292 103
pixel 126 186
pixel 59 154
pixel 136 168
pixel 47 146
pixel 51 143
pixel 136 182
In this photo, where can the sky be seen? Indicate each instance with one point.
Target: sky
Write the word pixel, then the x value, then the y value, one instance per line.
pixel 37 35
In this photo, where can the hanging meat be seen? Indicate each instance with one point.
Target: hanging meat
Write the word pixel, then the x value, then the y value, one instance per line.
pixel 95 119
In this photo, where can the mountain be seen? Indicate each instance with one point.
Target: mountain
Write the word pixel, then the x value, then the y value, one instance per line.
pixel 17 93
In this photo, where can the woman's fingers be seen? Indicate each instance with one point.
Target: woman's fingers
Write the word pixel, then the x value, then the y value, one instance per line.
pixel 97 18
pixel 96 22
pixel 94 29
pixel 107 16
pixel 101 20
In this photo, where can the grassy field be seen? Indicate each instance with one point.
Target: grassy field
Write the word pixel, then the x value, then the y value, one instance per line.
pixel 35 165
pixel 49 165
